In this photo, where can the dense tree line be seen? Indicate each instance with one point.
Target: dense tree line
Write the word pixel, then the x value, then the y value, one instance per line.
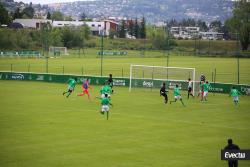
pixel 12 39
pixel 239 24
pixel 132 29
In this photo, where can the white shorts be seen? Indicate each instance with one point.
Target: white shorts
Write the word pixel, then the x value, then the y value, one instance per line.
pixel 177 97
pixel 70 88
pixel 236 98
pixel 205 94
pixel 105 108
pixel 103 96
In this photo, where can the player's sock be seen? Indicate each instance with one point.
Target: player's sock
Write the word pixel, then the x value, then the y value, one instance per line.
pixel 182 103
pixel 80 94
pixel 172 101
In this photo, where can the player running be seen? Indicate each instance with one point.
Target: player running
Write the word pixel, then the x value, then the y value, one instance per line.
pixel 206 87
pixel 105 90
pixel 201 91
pixel 163 92
pixel 190 88
pixel 177 95
pixel 105 102
pixel 235 94
pixel 71 86
pixel 110 83
pixel 85 86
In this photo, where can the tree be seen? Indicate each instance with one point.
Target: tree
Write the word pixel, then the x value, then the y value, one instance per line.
pixel 216 25
pixel 112 34
pixel 239 23
pixel 136 29
pixel 122 30
pixel 28 12
pixel 143 28
pixel 17 14
pixel 202 25
pixel 131 27
pixel 57 16
pixel 48 16
pixel 4 16
pixel 83 16
pixel 68 18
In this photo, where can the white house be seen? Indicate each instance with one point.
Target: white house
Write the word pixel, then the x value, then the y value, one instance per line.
pixel 96 27
pixel 67 23
pixel 32 23
pixel 211 35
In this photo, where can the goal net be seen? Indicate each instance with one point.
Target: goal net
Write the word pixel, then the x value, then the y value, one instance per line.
pixel 57 51
pixel 153 76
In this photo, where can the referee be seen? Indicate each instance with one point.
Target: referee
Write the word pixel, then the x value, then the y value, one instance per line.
pixel 163 92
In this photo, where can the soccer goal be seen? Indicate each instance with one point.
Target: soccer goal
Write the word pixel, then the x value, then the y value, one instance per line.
pixel 57 51
pixel 153 76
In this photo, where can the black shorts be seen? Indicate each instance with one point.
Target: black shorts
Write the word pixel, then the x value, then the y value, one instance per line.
pixel 164 94
pixel 189 89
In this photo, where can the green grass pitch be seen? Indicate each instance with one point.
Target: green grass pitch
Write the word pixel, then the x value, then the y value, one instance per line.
pixel 39 127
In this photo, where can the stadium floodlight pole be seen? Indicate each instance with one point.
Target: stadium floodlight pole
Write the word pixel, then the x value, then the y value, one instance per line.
pixel 46 47
pixel 193 80
pixel 102 33
pixel 238 58
pixel 130 78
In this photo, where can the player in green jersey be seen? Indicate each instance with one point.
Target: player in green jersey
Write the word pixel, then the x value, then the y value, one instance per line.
pixel 71 86
pixel 106 89
pixel 177 95
pixel 105 102
pixel 206 87
pixel 201 91
pixel 235 94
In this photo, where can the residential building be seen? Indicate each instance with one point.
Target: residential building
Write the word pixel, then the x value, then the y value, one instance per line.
pixel 32 23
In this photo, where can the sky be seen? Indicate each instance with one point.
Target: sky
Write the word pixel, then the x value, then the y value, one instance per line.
pixel 46 1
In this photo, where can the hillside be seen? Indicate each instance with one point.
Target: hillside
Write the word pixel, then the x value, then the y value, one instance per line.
pixel 159 10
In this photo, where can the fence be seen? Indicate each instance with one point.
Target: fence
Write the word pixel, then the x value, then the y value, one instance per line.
pixel 118 81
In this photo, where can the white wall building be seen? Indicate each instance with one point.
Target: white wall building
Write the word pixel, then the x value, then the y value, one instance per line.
pixel 96 27
pixel 211 35
pixel 67 23
pixel 32 23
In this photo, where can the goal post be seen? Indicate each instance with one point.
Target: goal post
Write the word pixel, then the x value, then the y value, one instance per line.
pixel 153 76
pixel 57 51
